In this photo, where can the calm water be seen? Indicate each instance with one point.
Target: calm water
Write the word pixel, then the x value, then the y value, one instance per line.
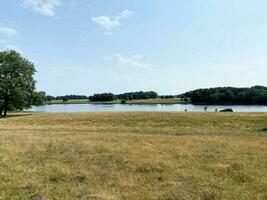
pixel 152 108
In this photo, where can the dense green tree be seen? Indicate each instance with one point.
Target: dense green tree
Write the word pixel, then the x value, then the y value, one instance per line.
pixel 229 95
pixel 102 97
pixel 123 101
pixel 138 95
pixel 38 98
pixel 65 99
pixel 167 96
pixel 70 97
pixel 214 97
pixel 17 84
pixel 50 98
pixel 125 96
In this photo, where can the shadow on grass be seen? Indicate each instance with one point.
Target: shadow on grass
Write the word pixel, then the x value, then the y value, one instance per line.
pixel 11 115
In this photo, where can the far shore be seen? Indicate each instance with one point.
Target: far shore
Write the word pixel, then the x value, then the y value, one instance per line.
pixel 171 101
pixel 138 101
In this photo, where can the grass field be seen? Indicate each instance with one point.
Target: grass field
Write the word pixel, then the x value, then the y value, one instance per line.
pixel 137 101
pixel 110 156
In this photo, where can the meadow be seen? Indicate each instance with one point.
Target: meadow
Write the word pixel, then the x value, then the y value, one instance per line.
pixel 139 155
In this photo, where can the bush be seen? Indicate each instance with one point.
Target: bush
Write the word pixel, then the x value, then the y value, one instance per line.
pixel 123 101
pixel 65 99
pixel 102 97
pixel 138 95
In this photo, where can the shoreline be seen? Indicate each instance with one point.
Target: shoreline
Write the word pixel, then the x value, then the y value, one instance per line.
pixel 130 102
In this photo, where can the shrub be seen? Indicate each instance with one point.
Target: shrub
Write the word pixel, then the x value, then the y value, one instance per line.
pixel 123 101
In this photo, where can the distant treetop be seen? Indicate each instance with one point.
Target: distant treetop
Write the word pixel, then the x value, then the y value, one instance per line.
pixel 229 95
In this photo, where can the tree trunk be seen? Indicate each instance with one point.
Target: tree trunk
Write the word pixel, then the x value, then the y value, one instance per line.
pixel 5 112
pixel 5 109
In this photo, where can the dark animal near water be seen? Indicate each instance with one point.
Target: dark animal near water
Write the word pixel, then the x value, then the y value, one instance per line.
pixel 227 110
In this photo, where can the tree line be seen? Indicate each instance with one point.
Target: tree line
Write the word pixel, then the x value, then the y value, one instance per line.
pixel 110 96
pixel 124 96
pixel 66 97
pixel 138 95
pixel 228 95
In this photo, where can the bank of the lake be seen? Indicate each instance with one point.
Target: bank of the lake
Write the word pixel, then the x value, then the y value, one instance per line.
pixel 113 156
pixel 136 101
pixel 144 108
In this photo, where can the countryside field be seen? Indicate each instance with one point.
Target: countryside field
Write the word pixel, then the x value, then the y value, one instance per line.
pixel 114 156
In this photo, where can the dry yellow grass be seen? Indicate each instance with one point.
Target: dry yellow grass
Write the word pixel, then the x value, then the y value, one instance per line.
pixel 110 156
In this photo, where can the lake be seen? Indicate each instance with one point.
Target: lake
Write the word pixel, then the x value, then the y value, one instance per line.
pixel 146 108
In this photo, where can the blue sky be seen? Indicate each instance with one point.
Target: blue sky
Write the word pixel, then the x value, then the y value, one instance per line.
pixel 170 46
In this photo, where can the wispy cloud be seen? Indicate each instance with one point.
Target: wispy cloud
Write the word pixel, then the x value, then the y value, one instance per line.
pixel 43 7
pixel 8 31
pixel 7 34
pixel 132 61
pixel 109 23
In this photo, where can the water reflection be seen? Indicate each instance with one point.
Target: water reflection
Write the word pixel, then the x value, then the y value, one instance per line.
pixel 146 108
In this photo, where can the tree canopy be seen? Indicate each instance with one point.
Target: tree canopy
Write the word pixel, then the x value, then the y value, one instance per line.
pixel 229 95
pixel 17 85
pixel 38 98
pixel 125 96
pixel 138 95
pixel 103 97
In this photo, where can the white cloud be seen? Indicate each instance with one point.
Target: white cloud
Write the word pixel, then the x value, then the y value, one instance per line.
pixel 5 43
pixel 44 7
pixel 8 31
pixel 133 61
pixel 109 23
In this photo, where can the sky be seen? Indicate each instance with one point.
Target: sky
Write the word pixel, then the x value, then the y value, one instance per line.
pixel 169 46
